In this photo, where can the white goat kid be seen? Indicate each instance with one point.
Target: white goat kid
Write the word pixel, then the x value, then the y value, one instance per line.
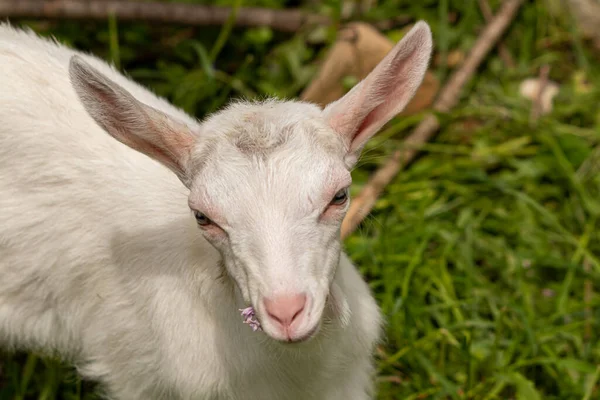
pixel 102 262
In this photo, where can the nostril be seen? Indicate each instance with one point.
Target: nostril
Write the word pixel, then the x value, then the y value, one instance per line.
pixel 285 309
pixel 274 316
pixel 297 313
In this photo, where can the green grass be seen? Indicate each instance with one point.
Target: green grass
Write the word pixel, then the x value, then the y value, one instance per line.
pixel 479 253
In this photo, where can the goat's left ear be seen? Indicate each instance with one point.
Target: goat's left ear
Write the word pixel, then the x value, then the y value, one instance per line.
pixel 384 93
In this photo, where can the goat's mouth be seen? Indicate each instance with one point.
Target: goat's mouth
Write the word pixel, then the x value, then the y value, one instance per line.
pixel 296 338
pixel 287 336
pixel 305 337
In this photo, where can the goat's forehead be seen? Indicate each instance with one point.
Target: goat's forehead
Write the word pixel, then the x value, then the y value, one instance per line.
pixel 286 169
pixel 260 128
pixel 273 131
pixel 268 151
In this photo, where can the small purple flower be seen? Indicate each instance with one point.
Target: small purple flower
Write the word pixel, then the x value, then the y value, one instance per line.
pixel 250 318
pixel 247 312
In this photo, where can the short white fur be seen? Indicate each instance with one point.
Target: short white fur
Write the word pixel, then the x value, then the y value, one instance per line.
pixel 102 262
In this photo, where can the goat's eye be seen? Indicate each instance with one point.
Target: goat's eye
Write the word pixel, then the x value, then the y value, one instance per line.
pixel 202 219
pixel 340 197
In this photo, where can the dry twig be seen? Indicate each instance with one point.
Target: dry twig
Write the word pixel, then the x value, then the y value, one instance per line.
pixel 290 20
pixel 447 99
pixel 486 10
pixel 536 108
pixel 192 14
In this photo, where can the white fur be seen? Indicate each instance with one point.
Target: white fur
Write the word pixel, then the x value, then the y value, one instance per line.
pixel 102 261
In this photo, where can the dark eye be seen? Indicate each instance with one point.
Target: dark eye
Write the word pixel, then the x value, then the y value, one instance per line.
pixel 202 219
pixel 340 197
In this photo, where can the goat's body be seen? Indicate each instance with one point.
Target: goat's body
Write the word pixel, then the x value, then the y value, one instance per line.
pixel 101 261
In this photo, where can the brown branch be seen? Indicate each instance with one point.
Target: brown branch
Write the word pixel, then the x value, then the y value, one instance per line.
pixel 127 10
pixel 290 20
pixel 486 10
pixel 447 99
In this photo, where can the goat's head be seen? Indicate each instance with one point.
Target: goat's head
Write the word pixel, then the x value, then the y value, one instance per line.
pixel 269 180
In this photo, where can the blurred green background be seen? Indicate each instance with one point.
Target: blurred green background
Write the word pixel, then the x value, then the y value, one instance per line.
pixel 484 254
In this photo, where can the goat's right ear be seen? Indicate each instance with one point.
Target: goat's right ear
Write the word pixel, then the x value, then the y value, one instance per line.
pixel 131 122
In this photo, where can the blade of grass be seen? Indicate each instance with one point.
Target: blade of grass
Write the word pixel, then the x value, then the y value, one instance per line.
pixel 113 34
pixel 591 384
pixel 225 31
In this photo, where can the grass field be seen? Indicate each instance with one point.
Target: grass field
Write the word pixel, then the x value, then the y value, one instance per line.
pixel 484 254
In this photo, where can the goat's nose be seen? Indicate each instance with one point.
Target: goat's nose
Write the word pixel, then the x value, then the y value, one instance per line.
pixel 285 309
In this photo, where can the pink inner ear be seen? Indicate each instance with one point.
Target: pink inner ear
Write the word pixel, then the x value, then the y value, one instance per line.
pixel 353 115
pixel 170 144
pixel 131 122
pixel 360 136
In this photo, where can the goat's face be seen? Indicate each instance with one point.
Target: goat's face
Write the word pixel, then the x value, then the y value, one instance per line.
pixel 268 181
pixel 270 190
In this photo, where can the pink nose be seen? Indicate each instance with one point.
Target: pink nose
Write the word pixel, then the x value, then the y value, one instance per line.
pixel 285 309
